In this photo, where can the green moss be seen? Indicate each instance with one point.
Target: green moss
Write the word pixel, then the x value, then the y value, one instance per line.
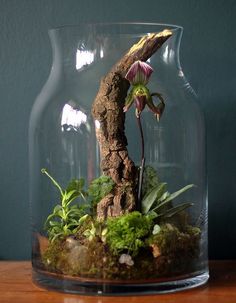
pixel 175 243
pixel 127 233
pixel 54 255
pixel 170 252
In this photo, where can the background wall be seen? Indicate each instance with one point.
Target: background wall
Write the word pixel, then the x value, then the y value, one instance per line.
pixel 208 59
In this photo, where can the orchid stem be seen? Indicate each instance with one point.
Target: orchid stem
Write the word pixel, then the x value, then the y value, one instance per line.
pixel 140 180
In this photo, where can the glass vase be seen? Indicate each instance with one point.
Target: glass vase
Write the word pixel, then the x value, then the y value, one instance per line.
pixel 118 189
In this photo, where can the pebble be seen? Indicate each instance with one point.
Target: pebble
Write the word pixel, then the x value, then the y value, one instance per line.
pixel 126 259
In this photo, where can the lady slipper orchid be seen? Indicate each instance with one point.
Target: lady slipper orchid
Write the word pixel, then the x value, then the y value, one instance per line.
pixel 138 75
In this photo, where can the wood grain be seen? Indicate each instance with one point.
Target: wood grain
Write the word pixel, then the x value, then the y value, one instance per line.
pixel 16 286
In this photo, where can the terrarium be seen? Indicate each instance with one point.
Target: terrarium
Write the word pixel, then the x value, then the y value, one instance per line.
pixel 117 165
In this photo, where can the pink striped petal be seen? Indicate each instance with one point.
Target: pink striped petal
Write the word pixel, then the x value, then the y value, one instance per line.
pixel 139 73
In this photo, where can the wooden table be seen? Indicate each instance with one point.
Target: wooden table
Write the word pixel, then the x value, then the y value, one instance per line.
pixel 16 287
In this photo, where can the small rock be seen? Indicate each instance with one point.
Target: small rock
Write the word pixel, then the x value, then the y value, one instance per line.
pixel 156 229
pixel 71 242
pixel 126 259
pixel 77 257
pixel 155 251
pixel 104 259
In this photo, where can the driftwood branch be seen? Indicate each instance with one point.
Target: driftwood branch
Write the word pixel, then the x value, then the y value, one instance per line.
pixel 109 119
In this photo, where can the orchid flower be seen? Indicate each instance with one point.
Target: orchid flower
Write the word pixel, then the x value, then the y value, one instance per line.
pixel 138 75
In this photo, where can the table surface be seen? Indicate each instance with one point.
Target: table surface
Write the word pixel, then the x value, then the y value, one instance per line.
pixel 16 286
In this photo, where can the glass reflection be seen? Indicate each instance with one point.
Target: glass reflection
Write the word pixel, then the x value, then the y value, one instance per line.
pixel 72 118
pixel 84 57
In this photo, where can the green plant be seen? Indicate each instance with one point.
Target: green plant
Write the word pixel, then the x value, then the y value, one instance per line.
pixel 96 229
pixel 150 179
pixel 171 241
pixel 157 202
pixel 127 232
pixel 65 217
pixel 99 188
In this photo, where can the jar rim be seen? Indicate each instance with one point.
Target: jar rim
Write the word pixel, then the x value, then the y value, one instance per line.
pixel 169 26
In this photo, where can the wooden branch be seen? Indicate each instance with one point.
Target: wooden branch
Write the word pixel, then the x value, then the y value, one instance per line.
pixel 109 119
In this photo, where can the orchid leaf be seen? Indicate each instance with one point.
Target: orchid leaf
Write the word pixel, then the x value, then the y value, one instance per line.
pixel 167 197
pixel 179 192
pixel 150 199
pixel 176 209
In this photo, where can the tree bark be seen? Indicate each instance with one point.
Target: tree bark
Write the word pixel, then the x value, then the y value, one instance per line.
pixel 109 119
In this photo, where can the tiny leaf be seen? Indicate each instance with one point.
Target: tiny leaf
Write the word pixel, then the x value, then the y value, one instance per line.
pixel 104 231
pixel 84 218
pixel 70 194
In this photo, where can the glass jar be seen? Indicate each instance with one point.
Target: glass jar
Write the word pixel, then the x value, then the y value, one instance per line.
pixel 118 199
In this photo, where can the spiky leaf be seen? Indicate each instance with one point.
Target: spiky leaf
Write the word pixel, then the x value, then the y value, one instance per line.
pixel 176 209
pixel 150 199
pixel 179 192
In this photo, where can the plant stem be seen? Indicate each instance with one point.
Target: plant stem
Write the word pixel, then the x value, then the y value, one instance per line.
pixel 140 180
